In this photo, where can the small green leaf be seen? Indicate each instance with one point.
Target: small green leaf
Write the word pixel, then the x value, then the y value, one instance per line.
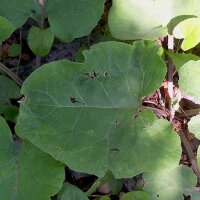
pixel 189 30
pixel 40 41
pixel 179 59
pixel 6 28
pixel 14 50
pixel 170 184
pixel 26 172
pixel 137 195
pixel 189 81
pixel 71 192
pixel 90 111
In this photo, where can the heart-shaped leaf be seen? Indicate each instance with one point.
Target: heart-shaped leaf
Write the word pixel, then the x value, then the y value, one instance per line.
pixel 194 126
pixel 189 30
pixel 147 19
pixel 189 79
pixel 40 41
pixel 26 172
pixel 170 184
pixel 86 115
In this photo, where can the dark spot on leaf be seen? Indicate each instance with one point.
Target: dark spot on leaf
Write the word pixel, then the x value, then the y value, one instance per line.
pixel 114 149
pixel 58 148
pixel 136 116
pixel 106 74
pixel 33 11
pixel 73 99
pixel 83 103
pixel 116 122
pixel 157 195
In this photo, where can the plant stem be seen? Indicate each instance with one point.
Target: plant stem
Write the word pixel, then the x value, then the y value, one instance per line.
pixel 170 76
pixel 190 154
pixel 41 26
pixel 11 74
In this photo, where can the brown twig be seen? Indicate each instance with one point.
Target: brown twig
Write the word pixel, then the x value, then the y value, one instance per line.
pixel 11 74
pixel 190 154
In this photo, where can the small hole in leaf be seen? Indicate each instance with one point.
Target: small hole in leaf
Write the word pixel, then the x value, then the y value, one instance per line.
pixel 73 99
pixel 33 11
pixel 106 74
pixel 114 149
pixel 116 122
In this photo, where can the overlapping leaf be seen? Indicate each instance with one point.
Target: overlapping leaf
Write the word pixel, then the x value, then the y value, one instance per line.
pixel 189 79
pixel 26 172
pixel 147 19
pixel 137 195
pixel 194 126
pixel 170 184
pixel 86 115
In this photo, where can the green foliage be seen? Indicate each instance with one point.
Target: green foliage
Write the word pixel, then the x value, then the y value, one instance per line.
pixel 6 28
pixel 137 195
pixel 9 90
pixel 40 41
pixel 14 50
pixel 179 59
pixel 170 184
pixel 71 192
pixel 189 31
pixel 25 170
pixel 147 19
pixel 189 79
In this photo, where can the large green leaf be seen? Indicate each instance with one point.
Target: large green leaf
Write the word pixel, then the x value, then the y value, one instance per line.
pixel 147 19
pixel 86 115
pixel 26 172
pixel 189 81
pixel 72 19
pixel 170 184
pixel 6 28
pixel 71 192
pixel 189 30
pixel 40 41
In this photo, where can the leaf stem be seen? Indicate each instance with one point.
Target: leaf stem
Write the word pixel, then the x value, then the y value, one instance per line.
pixel 11 74
pixel 170 76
